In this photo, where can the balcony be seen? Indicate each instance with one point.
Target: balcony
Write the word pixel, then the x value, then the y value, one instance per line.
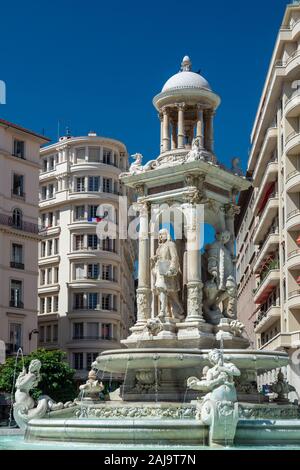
pixel 98 307
pixel 293 220
pixel 294 299
pixel 268 145
pixel 292 105
pixel 269 245
pixel 266 218
pixel 293 181
pixel 270 177
pixel 16 265
pixel 268 280
pixel 266 319
pixel 282 340
pixel 292 143
pixel 16 304
pixel 292 66
pixel 8 221
pixel 293 259
pixel 92 338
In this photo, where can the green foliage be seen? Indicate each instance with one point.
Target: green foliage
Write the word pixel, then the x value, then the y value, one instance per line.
pixel 57 376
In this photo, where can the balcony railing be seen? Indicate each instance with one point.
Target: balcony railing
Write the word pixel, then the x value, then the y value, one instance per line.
pixel 293 293
pixel 290 136
pixel 92 307
pixel 262 314
pixel 291 174
pixel 293 253
pixel 292 213
pixel 272 231
pixel 16 265
pixel 16 304
pixel 273 265
pixel 21 225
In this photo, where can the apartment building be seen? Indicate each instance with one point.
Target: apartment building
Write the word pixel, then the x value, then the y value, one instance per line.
pixel 19 236
pixel 86 284
pixel 268 229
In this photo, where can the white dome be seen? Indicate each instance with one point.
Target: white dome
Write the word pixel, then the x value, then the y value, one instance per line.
pixel 186 79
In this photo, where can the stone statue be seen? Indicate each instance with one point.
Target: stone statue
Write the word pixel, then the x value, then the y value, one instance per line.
pixel 281 387
pixel 195 153
pixel 219 407
pixel 220 287
pixel 236 166
pixel 166 270
pixel 136 167
pixel 24 406
pixel 91 389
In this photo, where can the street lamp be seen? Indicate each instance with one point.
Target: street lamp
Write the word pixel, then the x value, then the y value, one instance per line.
pixel 35 331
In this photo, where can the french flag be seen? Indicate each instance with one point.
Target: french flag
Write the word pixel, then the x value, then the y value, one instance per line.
pixel 95 219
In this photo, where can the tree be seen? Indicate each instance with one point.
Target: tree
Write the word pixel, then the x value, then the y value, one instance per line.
pixel 57 376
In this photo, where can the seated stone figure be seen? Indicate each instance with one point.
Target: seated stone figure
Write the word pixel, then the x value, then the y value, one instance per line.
pixel 219 379
pixel 91 389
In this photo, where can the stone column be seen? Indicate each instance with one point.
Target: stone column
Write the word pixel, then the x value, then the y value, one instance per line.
pixel 209 130
pixel 194 284
pixel 199 128
pixel 180 131
pixel 166 130
pixel 160 115
pixel 174 135
pixel 144 282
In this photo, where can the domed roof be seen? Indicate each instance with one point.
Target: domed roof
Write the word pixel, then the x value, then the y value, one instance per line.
pixel 186 78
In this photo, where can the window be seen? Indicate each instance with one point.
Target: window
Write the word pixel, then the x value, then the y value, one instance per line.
pixel 107 272
pixel 44 193
pixel 107 185
pixel 43 220
pixel 17 218
pixel 80 155
pixel 50 244
pixel 93 271
pixel 92 330
pixel 51 191
pixel 48 333
pixel 79 242
pixel 18 185
pixel 42 305
pixel 41 334
pixel 79 212
pixel 55 332
pixel 78 301
pixel 106 331
pixel 90 358
pixel 79 271
pixel 55 303
pixel 107 156
pixel 50 219
pixel 49 304
pixel 17 256
pixel 43 249
pixel 57 217
pixel 56 275
pixel 92 300
pixel 92 211
pixel 94 154
pixel 49 276
pixel 42 277
pixel 45 165
pixel 77 330
pixel 19 148
pixel 106 301
pixel 108 244
pixel 92 242
pixel 16 294
pixel 15 336
pixel 80 184
pixel 51 163
pixel 78 361
pixel 94 183
pixel 56 246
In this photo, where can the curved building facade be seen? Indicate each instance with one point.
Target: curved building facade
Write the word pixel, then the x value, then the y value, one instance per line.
pixel 86 284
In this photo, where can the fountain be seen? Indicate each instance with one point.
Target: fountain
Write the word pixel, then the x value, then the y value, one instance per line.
pixel 189 378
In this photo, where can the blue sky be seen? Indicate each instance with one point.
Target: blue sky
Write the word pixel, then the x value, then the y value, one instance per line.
pixel 97 65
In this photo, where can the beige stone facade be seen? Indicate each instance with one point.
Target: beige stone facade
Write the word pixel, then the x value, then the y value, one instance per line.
pixel 86 285
pixel 19 174
pixel 268 240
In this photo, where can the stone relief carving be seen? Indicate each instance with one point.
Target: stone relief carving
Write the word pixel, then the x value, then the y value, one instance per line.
pixel 281 388
pixel 176 412
pixel 166 271
pixel 196 152
pixel 154 326
pixel 25 407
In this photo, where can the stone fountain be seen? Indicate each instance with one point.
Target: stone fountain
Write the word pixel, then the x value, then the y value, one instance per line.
pixel 189 378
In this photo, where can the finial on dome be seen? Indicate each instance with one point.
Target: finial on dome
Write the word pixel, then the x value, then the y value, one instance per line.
pixel 186 64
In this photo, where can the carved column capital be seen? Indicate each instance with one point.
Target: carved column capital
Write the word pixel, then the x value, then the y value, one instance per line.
pixel 180 106
pixel 231 210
